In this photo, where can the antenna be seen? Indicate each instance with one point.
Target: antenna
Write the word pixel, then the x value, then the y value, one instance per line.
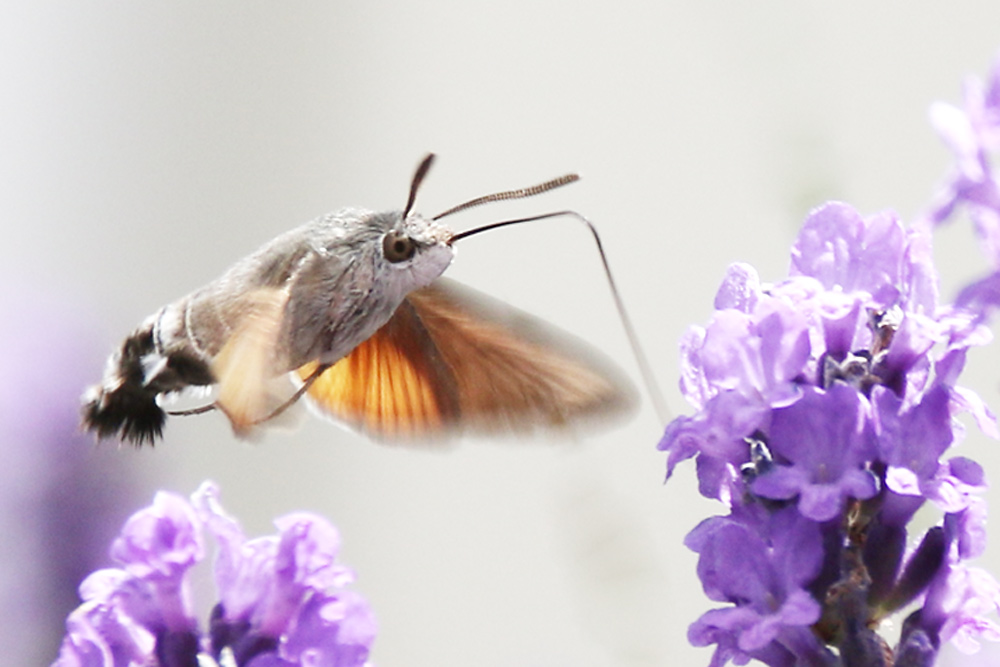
pixel 418 178
pixel 511 194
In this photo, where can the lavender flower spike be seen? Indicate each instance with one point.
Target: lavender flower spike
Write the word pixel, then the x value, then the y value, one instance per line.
pixel 281 598
pixel 825 415
pixel 972 133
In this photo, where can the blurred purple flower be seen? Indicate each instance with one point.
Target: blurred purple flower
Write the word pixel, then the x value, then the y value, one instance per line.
pixel 60 495
pixel 281 602
pixel 972 133
pixel 825 408
pixel 960 599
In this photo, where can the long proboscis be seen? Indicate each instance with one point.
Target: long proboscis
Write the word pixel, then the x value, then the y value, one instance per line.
pixel 645 370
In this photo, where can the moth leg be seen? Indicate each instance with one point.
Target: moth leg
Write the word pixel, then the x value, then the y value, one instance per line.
pixel 274 413
pixel 320 369
pixel 257 340
pixel 193 411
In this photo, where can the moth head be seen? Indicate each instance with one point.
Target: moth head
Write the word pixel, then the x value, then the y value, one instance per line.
pixel 416 248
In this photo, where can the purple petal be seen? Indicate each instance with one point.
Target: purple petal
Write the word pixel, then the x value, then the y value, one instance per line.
pixel 967 471
pixel 759 354
pixel 982 296
pixel 693 383
pixel 823 438
pixel 844 319
pixel 841 249
pixel 273 660
pixel 221 525
pixel 304 560
pixel 718 431
pixel 729 350
pixel 732 563
pixel 970 526
pixel 717 479
pixel 984 209
pixel 953 492
pixel 781 483
pixel 753 629
pixel 860 484
pixel 910 344
pixel 99 636
pixel 797 547
pixel 823 432
pixel 822 502
pixel 914 439
pixel 822 249
pixel 243 569
pixel 311 544
pixel 114 624
pixel 680 440
pixel 903 481
pixel 335 630
pixel 785 350
pixel 799 609
pixel 160 541
pixel 920 275
pixel 711 629
pixel 956 131
pixel 704 631
pixel 961 604
pixel 740 289
pixel 966 400
pixel 158 545
pixel 246 584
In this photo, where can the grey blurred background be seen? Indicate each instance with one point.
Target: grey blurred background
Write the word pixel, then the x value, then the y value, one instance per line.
pixel 144 146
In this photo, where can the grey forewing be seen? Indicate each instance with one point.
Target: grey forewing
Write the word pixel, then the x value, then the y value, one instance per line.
pixel 329 267
pixel 212 313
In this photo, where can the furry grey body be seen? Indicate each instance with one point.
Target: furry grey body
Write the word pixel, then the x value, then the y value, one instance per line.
pixel 337 289
pixel 335 300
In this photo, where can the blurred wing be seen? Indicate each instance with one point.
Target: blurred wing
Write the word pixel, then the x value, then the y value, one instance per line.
pixel 248 363
pixel 391 385
pixel 453 358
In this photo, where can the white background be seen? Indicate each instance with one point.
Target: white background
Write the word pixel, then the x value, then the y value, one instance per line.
pixel 144 146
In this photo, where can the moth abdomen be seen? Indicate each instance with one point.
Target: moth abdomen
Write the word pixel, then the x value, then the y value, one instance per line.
pixel 124 405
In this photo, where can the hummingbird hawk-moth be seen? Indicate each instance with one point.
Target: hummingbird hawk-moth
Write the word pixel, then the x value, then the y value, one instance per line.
pixel 351 307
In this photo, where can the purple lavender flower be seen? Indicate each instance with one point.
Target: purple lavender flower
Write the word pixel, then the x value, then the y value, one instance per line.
pixel 824 439
pixel 60 496
pixel 281 598
pixel 825 408
pixel 764 574
pixel 972 133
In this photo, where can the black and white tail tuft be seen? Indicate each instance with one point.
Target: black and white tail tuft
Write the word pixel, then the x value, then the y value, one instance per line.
pixel 124 405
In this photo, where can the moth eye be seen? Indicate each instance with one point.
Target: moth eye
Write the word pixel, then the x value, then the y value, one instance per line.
pixel 398 248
